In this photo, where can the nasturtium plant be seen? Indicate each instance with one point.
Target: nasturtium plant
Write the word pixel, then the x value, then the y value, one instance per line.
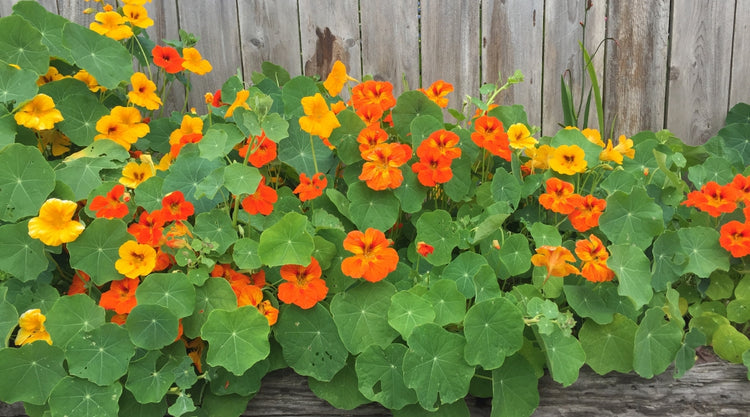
pixel 407 250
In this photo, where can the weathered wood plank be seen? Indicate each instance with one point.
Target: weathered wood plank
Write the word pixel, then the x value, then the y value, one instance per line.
pixel 700 68
pixel 6 6
pixel 269 31
pixel 636 82
pixel 512 38
pixel 390 41
pixel 73 11
pixel 450 46
pixel 740 87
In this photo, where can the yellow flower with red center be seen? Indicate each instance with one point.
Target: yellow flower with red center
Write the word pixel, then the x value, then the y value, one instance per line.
pixel 594 255
pixel 373 257
pixel 122 125
pixel 194 62
pixel 318 119
pixel 135 259
pixel 437 92
pixel 337 78
pixel 568 160
pixel 31 325
pixel 52 75
pixel 112 25
pixel 55 225
pixel 137 15
pixel 39 113
pixel 519 137
pixel 144 92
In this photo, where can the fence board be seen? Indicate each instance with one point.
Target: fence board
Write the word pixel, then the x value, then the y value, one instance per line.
pixel 512 38
pixel 740 87
pixel 450 45
pixel 635 87
pixel 264 38
pixel 73 11
pixel 390 41
pixel 700 67
pixel 6 6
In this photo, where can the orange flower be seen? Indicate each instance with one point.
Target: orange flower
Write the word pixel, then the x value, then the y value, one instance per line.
pixel 424 249
pixel 594 255
pixel 240 100
pixel 437 92
pixel 337 107
pixel 587 212
pixel 149 228
pixel 381 169
pixel 568 160
pixel 88 79
pixel 133 174
pixel 318 119
pixel 135 259
pixel 539 157
pixel 194 62
pixel 433 170
pixel 188 125
pixel 144 92
pixel 248 295
pixel 174 207
pixel 122 125
pixel 741 183
pixel 80 284
pixel 31 325
pixel 110 206
pixel 174 150
pixel 168 58
pixel 370 114
pixel 337 78
pixel 310 189
pixel 39 113
pixel 559 196
pixel 304 287
pixel 713 198
pixel 442 143
pixel 369 137
pixel 120 297
pixel 54 225
pixel 735 238
pixel 268 310
pixel 261 201
pixel 373 92
pixel 519 137
pixel 373 257
pixel 263 150
pixel 489 134
pixel 137 16
pixel 555 259
pixel 593 136
pixel 112 25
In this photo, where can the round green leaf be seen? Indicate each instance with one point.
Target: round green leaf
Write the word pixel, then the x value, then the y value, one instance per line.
pixel 656 343
pixel 188 172
pixel 241 179
pixel 633 270
pixel 359 318
pixel 486 284
pixel 24 256
pixel 462 270
pixel 704 254
pixel 216 227
pixel 609 347
pixel 344 138
pixel 545 235
pixel 8 317
pixel 729 343
pixel 104 58
pixel 493 331
pixel 515 254
pixel 78 397
pixel 150 194
pixel 215 293
pixel 17 85
pixel 30 372
pixel 342 391
pixel 505 187
pixel 151 326
pixel 434 366
pixel 49 24
pixel 26 180
pixel 21 44
pixel 97 249
pixel 236 339
pixel 565 356
pixel 224 382
pixel 101 355
pixel 514 388
pixel 436 228
pixel 632 218
pixel 410 194
pixel 591 300
pixel 286 242
pixel 172 291
pixel 407 311
pixel 297 151
pixel 149 378
pixel 380 376
pixel 449 304
pixel 369 208
pixel 409 106
pixel 668 260
pixel 738 310
pixel 71 317
pixel 245 254
pixel 80 109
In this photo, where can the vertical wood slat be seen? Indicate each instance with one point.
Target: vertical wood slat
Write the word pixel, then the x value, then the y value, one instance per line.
pixel 269 31
pixel 636 81
pixel 512 38
pixel 700 69
pixel 450 46
pixel 73 11
pixel 390 41
pixel 740 88
pixel 6 6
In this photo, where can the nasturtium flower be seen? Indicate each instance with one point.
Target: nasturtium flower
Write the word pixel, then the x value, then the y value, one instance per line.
pixel 194 62
pixel 303 286
pixel 373 92
pixel 425 249
pixel 555 259
pixel 713 198
pixel 111 205
pixel 568 160
pixel 175 148
pixel 261 201
pixel 490 134
pixel 519 137
pixel 539 158
pixel 112 25
pixel 144 92
pixel 39 113
pixel 559 196
pixel 136 259
pixel 338 106
pixel 79 284
pixel 441 143
pixel 88 79
pixel 318 119
pixel 120 297
pixel 370 137
pixel 167 58
pixel 175 207
pixel 381 168
pixel 370 114
pixel 586 213
pixel 594 255
pixel 741 183
pixel 309 189
pixel 133 174
pixel 433 170
pixel 240 100
pixel 263 150
pixel 55 225
pixel 149 228
pixel 122 125
pixel 437 92
pixel 269 311
pixel 248 295
pixel 616 153
pixel 735 238
pixel 593 136
pixel 137 15
pixel 52 75
pixel 373 257
pixel 188 126
pixel 337 78
pixel 53 140
pixel 31 325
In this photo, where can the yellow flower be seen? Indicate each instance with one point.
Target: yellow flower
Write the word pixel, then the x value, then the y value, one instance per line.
pixel 239 101
pixel 135 259
pixel 593 136
pixel 144 92
pixel 136 2
pixel 194 62
pixel 89 80
pixel 519 137
pixel 164 162
pixel 133 174
pixel 615 153
pixel 55 225
pixel 137 15
pixel 318 119
pixel 122 125
pixel 188 126
pixel 52 75
pixel 539 157
pixel 39 113
pixel 568 160
pixel 112 25
pixel 31 325
pixel 337 78
pixel 54 140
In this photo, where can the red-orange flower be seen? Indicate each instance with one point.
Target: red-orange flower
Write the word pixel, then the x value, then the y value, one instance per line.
pixel 149 228
pixel 381 169
pixel 425 249
pixel 80 284
pixel 490 134
pixel 432 170
pixel 713 198
pixel 263 150
pixel 587 212
pixel 121 296
pixel 373 257
pixel 735 238
pixel 555 259
pixel 261 201
pixel 267 309
pixel 309 189
pixel 370 114
pixel 174 207
pixel 248 295
pixel 369 137
pixel 373 92
pixel 168 58
pixel 304 287
pixel 741 183
pixel 441 143
pixel 438 91
pixel 110 206
pixel 559 197
pixel 594 256
pixel 175 148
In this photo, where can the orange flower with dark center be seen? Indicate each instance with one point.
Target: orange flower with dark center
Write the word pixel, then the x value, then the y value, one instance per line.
pixel 735 238
pixel 264 150
pixel 433 170
pixel 309 189
pixel 568 160
pixel 31 329
pixel 168 58
pixel 137 15
pixel 135 259
pixel 381 169
pixel 369 137
pixel 188 125
pixel 594 256
pixel 713 198
pixel 261 201
pixel 120 297
pixel 559 196
pixel 373 92
pixel 149 228
pixel 174 207
pixel 373 257
pixel 174 150
pixel 587 212
pixel 370 114
pixel 555 259
pixel 490 134
pixel 110 206
pixel 437 92
pixel 303 286
pixel 424 249
pixel 441 143
pixel 741 184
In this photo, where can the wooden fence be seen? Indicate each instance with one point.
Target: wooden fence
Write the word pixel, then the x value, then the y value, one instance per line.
pixel 675 64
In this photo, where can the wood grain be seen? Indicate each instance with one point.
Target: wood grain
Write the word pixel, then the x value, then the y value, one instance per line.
pixel 6 6
pixel 740 87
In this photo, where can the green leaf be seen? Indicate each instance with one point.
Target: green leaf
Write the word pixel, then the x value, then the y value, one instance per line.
pixel 656 343
pixel 83 175
pixel 293 92
pixel 729 343
pixel 514 388
pixel 129 406
pixel 359 318
pixel 565 356
pixel 21 44
pixel 215 293
pixel 407 311
pixel 151 327
pixel 275 127
pixel 456 409
pixel 380 376
pixel 575 137
pixel 736 137
pixel 216 227
pixel 434 366
pixel 104 58
pixel 310 342
pixel 241 179
pixel 462 270
pixel 721 285
pixel 101 355
pixel 71 317
pixel 236 339
pixel 97 249
pixel 447 301
pixel 633 271
pixel 26 180
pixel 632 218
pixel 370 208
pixel 686 355
pixel 609 347
pixel 704 254
pixel 224 382
pixel 738 310
pixel 80 109
pixel 30 372
pixel 515 254
pixel 505 187
pixel 287 242
pixel 169 290
pixel 409 106
pixel 183 404
pixel 219 140
pixel 436 228
pixel 344 138
pixel 17 85
pixel 510 115
pixel 668 260
pixel 493 331
pixel 486 284
pixel 545 235
pixel 186 174
pixel 410 194
pixel 245 254
pixel 342 391
pixel 78 397
pixel 591 300
pixel 49 24
pixel 24 256
pixel 297 152
pixel 149 380
pixel 8 318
